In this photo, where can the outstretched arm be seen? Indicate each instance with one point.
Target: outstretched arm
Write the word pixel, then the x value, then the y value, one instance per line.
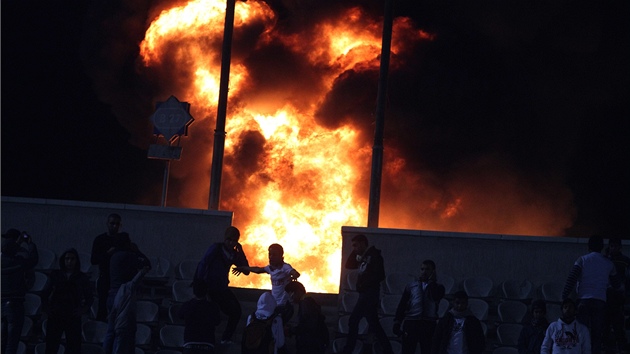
pixel 247 269
pixel 294 274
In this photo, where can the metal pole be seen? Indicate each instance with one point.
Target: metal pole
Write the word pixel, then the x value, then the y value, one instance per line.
pixel 167 167
pixel 377 149
pixel 219 132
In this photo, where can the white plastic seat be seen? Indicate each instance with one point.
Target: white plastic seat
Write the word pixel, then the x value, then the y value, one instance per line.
pixel 182 291
pixel 26 328
pixel 32 304
pixel 389 304
pixel 339 343
pixel 94 331
pixel 448 282
pixel 85 260
pixel 45 329
pixel 46 259
pixel 512 311
pixel 187 269
pixel 478 286
pixel 552 292
pixel 479 308
pixel 139 351
pixel 514 290
pixel 147 311
pixel 21 349
pixel 351 279
pixel 396 282
pixel 508 333
pixel 41 280
pixel 343 325
pixel 388 325
pixel 172 336
pixel 443 307
pixel 348 300
pixel 143 334
pixel 160 268
pixel 173 314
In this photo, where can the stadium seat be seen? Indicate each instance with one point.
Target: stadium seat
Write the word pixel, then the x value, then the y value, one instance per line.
pixel 505 350
pixel 172 336
pixel 348 300
pixel 41 280
pixel 478 286
pixel 388 325
pixel 186 269
pixel 508 333
pixel 46 260
pixel 396 282
pixel 443 307
pixel 552 292
pixel 448 282
pixel 515 290
pixel 182 291
pixel 91 348
pixel 147 311
pixel 479 308
pixel 94 331
pixel 143 334
pixel 173 314
pixel 343 325
pixel 40 348
pixel 351 279
pixel 389 304
pixel 512 311
pixel 32 305
pixel 339 343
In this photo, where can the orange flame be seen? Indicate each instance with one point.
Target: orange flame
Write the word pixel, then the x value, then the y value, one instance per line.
pixel 304 181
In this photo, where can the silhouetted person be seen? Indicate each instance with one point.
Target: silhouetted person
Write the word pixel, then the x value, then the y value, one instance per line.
pixel 418 308
pixel 201 317
pixel 281 274
pixel 566 335
pixel 214 268
pixel 616 299
pixel 592 273
pixel 369 262
pixel 531 337
pixel 311 333
pixel 459 331
pixel 102 249
pixel 68 296
pixel 16 262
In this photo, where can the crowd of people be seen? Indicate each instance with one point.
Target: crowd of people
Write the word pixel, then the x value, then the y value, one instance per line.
pixel 592 319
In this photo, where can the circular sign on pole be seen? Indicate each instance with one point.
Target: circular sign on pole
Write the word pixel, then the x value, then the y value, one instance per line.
pixel 171 118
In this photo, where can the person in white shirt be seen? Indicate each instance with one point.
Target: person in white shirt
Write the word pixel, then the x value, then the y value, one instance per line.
pixel 567 335
pixel 281 274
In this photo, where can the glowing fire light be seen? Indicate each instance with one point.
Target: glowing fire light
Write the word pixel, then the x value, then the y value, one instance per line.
pixel 302 193
pixel 295 181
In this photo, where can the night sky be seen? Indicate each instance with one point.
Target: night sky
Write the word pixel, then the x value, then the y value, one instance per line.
pixel 541 85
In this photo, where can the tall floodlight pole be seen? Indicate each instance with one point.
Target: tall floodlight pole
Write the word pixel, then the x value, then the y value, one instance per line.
pixel 377 149
pixel 219 132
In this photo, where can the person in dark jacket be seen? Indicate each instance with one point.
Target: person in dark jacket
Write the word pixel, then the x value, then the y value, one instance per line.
pixel 369 262
pixel 418 308
pixel 16 262
pixel 214 268
pixel 533 333
pixel 201 317
pixel 67 297
pixel 459 331
pixel 103 247
pixel 310 336
pixel 124 264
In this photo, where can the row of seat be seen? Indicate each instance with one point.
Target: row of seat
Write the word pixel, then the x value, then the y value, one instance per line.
pixel 475 287
pixel 161 267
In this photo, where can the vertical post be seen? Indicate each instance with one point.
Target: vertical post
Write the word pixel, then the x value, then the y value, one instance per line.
pixel 167 167
pixel 377 149
pixel 219 132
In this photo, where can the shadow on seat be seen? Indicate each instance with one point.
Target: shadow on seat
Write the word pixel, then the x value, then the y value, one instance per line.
pixel 552 292
pixel 343 327
pixel 514 290
pixel 186 269
pixel 508 333
pixel 512 311
pixel 182 291
pixel 94 331
pixel 147 311
pixel 173 314
pixel 91 348
pixel 479 308
pixel 396 282
pixel 478 286
pixel 339 343
pixel 389 304
pixel 348 300
pixel 40 348
pixel 172 336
